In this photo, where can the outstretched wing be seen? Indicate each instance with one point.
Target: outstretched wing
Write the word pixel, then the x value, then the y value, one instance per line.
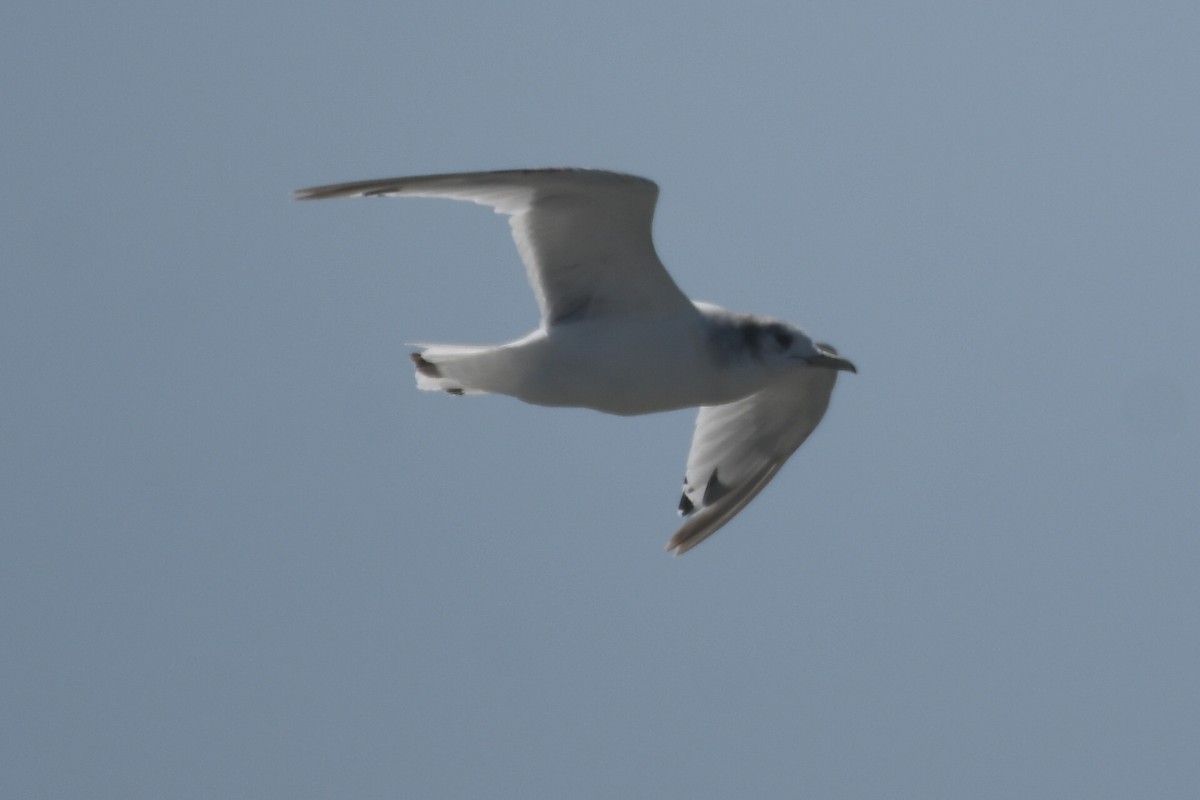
pixel 738 447
pixel 584 235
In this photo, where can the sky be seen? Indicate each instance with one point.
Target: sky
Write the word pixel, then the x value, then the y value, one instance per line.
pixel 243 556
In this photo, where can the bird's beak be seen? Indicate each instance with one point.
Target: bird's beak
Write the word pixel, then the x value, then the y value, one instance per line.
pixel 832 362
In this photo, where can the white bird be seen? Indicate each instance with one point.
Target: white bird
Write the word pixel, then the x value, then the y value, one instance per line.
pixel 618 335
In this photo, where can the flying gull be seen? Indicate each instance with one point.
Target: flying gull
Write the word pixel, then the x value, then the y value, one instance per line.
pixel 619 336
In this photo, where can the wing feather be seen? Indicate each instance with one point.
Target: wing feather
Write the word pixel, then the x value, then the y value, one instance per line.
pixel 737 448
pixel 584 235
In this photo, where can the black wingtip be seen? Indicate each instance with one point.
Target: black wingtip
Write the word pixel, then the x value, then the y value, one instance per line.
pixel 714 489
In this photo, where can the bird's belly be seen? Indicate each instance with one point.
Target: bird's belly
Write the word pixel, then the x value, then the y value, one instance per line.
pixel 627 369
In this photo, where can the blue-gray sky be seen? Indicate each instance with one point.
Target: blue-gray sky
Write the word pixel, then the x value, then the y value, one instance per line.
pixel 244 557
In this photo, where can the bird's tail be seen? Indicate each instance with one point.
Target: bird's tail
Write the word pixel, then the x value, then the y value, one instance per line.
pixel 450 367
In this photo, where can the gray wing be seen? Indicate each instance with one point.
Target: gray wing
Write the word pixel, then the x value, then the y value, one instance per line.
pixel 738 447
pixel 584 235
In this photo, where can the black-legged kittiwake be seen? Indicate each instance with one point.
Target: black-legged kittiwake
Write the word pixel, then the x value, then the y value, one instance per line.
pixel 618 335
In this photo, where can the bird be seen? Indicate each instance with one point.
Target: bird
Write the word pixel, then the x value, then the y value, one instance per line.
pixel 619 336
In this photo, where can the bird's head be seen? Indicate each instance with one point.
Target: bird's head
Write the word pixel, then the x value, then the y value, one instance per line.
pixel 781 344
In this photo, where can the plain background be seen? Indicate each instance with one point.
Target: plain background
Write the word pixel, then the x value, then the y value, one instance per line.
pixel 244 557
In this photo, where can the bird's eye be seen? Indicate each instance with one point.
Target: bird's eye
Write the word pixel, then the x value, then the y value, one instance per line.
pixel 784 339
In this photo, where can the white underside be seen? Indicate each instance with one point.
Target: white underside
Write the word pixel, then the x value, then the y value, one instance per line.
pixel 625 366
